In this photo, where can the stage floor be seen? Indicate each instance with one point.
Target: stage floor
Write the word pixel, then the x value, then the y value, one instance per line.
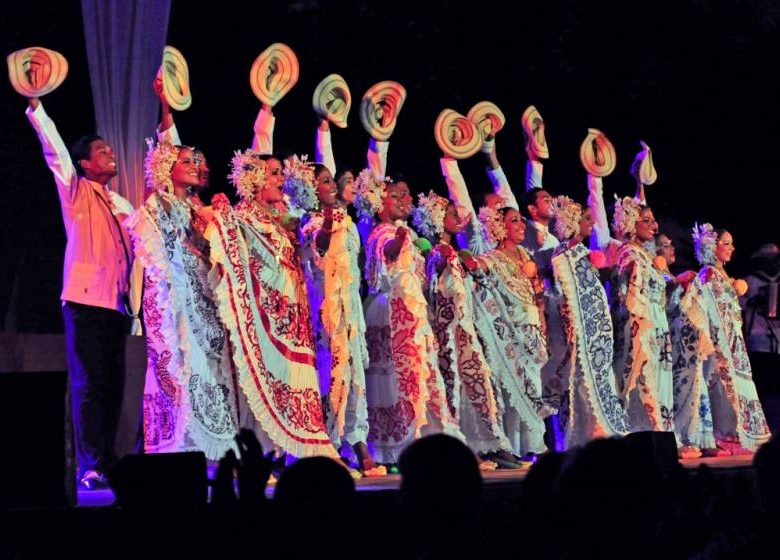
pixel 104 498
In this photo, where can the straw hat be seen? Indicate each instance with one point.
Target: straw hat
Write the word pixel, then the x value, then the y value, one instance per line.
pixel 456 135
pixel 642 168
pixel 533 130
pixel 597 154
pixel 175 79
pixel 488 118
pixel 332 100
pixel 36 71
pixel 274 73
pixel 379 108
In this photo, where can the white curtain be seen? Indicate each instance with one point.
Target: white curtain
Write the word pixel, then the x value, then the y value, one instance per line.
pixel 125 39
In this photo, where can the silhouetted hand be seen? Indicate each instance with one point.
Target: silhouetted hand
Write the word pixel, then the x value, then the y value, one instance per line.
pixel 254 468
pixel 222 489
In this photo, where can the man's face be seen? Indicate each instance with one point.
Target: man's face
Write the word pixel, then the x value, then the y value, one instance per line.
pixel 543 206
pixel 665 248
pixel 101 164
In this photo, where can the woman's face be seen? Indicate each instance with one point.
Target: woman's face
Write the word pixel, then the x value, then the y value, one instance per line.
pixel 271 191
pixel 397 204
pixel 452 221
pixel 646 226
pixel 327 190
pixel 184 172
pixel 586 224
pixel 724 248
pixel 346 185
pixel 515 226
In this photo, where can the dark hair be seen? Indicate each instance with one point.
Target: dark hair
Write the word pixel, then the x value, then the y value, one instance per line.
pixel 397 178
pixel 529 199
pixel 82 149
pixel 319 168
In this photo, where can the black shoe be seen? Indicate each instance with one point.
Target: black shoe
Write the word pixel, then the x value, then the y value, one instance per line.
pixel 504 459
pixel 94 480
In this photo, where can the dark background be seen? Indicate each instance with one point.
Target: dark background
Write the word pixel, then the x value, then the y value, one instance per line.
pixel 697 80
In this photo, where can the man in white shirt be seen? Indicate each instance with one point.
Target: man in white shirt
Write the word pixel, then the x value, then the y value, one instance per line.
pixel 96 278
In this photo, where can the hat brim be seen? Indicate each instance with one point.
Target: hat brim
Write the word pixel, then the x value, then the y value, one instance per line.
pixel 175 79
pixel 597 154
pixel 488 118
pixel 274 73
pixel 332 100
pixel 533 130
pixel 53 65
pixel 456 135
pixel 379 109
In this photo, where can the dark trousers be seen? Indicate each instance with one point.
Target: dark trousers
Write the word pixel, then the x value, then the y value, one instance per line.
pixel 95 344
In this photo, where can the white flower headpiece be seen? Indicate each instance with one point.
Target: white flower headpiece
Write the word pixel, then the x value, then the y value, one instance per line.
pixel 705 238
pixel 626 215
pixel 369 195
pixel 247 171
pixel 428 215
pixel 493 224
pixel 567 214
pixel 158 163
pixel 299 183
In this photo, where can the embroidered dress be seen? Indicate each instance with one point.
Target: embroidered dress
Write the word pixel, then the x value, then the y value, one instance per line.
pixel 191 397
pixel 643 352
pixel 467 376
pixel 590 405
pixel 737 415
pixel 333 281
pixel 510 326
pixel 263 302
pixel 405 391
pixel 691 345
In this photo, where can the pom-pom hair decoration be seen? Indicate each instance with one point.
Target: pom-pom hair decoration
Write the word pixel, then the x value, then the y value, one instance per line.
pixel 567 214
pixel 660 264
pixel 598 259
pixel 704 240
pixel 369 194
pixel 493 224
pixel 299 183
pixel 247 172
pixel 740 286
pixel 428 215
pixel 626 215
pixel 158 164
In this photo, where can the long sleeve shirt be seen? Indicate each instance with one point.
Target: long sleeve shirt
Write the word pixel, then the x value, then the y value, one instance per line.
pixel 98 253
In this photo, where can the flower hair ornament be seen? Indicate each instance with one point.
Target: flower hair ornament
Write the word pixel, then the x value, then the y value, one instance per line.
pixel 626 215
pixel 369 195
pixel 704 240
pixel 158 163
pixel 493 224
pixel 247 171
pixel 299 183
pixel 428 215
pixel 567 214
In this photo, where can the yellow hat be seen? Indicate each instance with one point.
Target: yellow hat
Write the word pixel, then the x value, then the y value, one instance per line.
pixel 488 118
pixel 332 100
pixel 533 130
pixel 36 71
pixel 597 154
pixel 379 108
pixel 274 73
pixel 642 168
pixel 456 135
pixel 175 79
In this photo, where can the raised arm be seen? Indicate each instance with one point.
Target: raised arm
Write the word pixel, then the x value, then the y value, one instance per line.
pixel 323 148
pixel 166 131
pixel 54 150
pixel 377 158
pixel 263 140
pixel 600 238
pixel 459 194
pixel 496 175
